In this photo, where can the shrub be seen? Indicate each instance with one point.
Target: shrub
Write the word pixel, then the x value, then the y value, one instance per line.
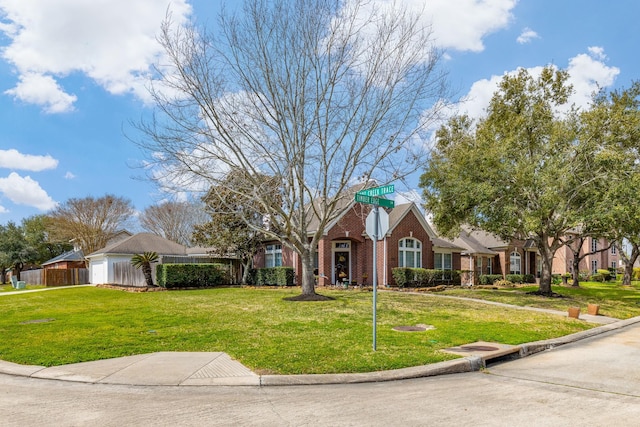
pixel 636 273
pixel 528 278
pixel 450 277
pixel 503 283
pixel 274 276
pixel 191 275
pixel 606 274
pixel 489 279
pixel 515 278
pixel 424 277
pixel 407 277
pixel 597 277
pixel 556 279
pixel 403 276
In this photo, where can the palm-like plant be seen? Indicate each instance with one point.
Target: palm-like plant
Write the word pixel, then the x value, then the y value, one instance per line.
pixel 144 261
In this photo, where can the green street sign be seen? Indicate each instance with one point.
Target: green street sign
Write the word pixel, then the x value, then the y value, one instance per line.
pixel 370 200
pixel 378 191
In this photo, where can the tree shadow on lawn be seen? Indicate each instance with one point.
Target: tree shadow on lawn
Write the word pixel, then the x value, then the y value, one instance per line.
pixel 313 297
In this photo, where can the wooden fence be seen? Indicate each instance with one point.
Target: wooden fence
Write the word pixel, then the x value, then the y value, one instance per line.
pixel 56 277
pixel 127 275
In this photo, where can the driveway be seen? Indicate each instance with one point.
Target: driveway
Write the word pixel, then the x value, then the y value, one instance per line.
pixel 592 382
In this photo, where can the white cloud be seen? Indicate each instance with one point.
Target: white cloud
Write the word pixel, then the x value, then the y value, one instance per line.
pixel 13 159
pixel 414 196
pixel 42 90
pixel 113 42
pixel 587 73
pixel 462 24
pixel 69 175
pixel 3 209
pixel 25 191
pixel 527 35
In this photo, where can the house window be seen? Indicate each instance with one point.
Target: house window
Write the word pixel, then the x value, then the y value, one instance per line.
pixel 273 256
pixel 515 263
pixel 409 253
pixel 442 261
pixel 479 265
pixel 489 266
pixel 614 251
pixel 594 266
pixel 614 265
pixel 594 245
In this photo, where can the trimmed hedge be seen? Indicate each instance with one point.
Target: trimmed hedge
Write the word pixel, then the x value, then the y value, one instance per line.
pixel 521 278
pixel 422 277
pixel 274 276
pixel 173 276
pixel 490 279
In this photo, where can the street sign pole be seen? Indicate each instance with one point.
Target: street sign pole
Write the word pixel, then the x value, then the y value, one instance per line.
pixel 376 214
pixel 371 196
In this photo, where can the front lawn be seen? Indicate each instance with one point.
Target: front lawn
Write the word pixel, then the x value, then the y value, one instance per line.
pixel 615 300
pixel 257 327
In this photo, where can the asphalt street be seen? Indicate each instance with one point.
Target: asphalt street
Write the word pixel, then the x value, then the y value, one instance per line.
pixel 594 382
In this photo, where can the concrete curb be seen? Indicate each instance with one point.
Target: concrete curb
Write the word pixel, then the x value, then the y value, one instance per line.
pixel 144 375
pixel 467 364
pixel 538 346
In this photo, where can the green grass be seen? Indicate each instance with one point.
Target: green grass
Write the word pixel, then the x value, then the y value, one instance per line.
pixel 257 327
pixel 615 300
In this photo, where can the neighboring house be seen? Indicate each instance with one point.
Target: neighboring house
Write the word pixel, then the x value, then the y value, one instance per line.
pixel 103 264
pixel 345 252
pixel 67 260
pixel 605 259
pixel 485 253
pixel 75 258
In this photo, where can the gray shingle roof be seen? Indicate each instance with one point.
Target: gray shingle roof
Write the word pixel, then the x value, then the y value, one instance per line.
pixel 68 256
pixel 143 242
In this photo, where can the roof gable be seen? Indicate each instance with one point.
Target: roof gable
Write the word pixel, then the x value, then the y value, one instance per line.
pixel 69 256
pixel 399 213
pixel 143 242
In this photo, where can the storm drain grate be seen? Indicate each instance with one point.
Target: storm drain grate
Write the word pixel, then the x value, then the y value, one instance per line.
pixel 471 348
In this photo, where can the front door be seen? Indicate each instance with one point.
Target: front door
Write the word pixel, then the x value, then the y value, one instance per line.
pixel 342 271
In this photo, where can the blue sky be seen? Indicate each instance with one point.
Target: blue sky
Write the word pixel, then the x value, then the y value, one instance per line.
pixel 72 75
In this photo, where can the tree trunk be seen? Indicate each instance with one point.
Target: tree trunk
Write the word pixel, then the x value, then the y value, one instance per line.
pixel 308 279
pixel 576 272
pixel 628 267
pixel 246 270
pixel 546 255
pixel 146 269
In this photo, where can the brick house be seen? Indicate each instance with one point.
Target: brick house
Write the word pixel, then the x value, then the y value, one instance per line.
pixel 604 259
pixel 345 252
pixel 65 261
pixel 485 253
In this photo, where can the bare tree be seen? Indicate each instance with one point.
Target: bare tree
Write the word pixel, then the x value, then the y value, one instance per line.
pixel 318 94
pixel 174 221
pixel 90 221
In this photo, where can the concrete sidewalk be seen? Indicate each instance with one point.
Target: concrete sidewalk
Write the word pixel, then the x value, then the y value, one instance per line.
pixel 217 368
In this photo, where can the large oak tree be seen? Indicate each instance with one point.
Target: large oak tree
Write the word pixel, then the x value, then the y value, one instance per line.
pixel 614 122
pixel 522 172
